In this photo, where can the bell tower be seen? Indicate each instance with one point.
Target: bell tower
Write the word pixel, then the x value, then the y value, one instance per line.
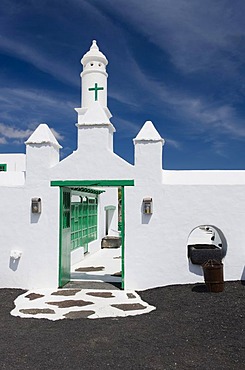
pixel 94 77
pixel 94 113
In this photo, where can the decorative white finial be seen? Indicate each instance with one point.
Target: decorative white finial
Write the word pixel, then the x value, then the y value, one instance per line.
pixel 148 133
pixel 94 45
pixel 94 55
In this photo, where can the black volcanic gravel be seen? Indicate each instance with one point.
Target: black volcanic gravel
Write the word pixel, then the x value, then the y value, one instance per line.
pixel 191 329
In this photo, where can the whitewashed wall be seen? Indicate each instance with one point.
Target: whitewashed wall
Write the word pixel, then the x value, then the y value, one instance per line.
pixel 94 162
pixel 36 236
pixel 16 162
pixel 110 197
pixel 156 246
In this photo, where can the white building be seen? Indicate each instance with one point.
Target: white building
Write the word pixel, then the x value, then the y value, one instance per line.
pixel 54 211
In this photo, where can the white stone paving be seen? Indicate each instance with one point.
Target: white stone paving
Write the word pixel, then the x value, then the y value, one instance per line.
pixel 101 306
pixel 110 259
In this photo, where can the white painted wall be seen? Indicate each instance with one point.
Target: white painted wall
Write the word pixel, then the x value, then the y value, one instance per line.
pixel 16 162
pixel 156 246
pixel 110 197
pixel 12 179
pixel 35 235
pixel 96 163
pixel 77 255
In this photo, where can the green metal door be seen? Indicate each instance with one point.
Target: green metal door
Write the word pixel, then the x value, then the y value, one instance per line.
pixel 65 236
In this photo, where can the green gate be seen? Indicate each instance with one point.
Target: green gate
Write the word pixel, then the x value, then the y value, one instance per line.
pixel 65 236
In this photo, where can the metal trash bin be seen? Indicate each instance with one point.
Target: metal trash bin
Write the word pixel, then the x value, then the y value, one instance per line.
pixel 213 276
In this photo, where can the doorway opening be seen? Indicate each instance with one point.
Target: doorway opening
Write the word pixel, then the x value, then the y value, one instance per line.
pixel 89 213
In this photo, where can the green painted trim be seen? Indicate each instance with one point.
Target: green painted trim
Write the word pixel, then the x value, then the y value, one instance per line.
pixel 75 183
pixel 110 208
pixel 3 167
pixel 60 235
pixel 123 233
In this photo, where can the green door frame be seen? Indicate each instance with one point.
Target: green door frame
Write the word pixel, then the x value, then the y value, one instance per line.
pixel 64 237
pixel 102 183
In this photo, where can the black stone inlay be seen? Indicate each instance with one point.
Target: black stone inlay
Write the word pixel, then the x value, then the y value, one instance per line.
pixel 33 296
pixel 70 303
pixel 130 295
pixel 67 292
pixel 129 306
pixel 36 311
pixel 101 294
pixel 90 269
pixel 78 314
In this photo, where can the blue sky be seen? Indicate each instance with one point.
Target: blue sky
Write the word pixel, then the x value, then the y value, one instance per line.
pixel 178 63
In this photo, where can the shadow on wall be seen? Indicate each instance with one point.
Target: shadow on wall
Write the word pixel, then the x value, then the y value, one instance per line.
pixel 14 263
pixel 205 242
pixel 145 217
pixel 34 217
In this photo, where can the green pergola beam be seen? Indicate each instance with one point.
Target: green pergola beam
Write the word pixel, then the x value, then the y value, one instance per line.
pixel 87 190
pixel 78 183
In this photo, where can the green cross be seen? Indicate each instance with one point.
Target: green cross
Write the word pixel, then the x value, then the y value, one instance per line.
pixel 95 89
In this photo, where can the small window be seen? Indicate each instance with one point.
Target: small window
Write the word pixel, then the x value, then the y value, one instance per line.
pixel 3 167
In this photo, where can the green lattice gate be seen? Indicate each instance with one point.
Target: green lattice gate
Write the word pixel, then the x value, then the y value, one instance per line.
pixel 83 222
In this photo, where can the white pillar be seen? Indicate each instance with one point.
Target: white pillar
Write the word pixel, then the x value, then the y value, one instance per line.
pixel 148 154
pixel 42 153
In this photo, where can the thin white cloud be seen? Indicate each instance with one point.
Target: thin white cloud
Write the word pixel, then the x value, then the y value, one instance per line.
pixel 212 119
pixel 199 113
pixel 196 34
pixel 174 143
pixel 11 134
pixel 124 98
pixel 57 134
pixel 127 128
pixel 18 42
pixel 33 55
pixel 3 140
pixel 31 101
